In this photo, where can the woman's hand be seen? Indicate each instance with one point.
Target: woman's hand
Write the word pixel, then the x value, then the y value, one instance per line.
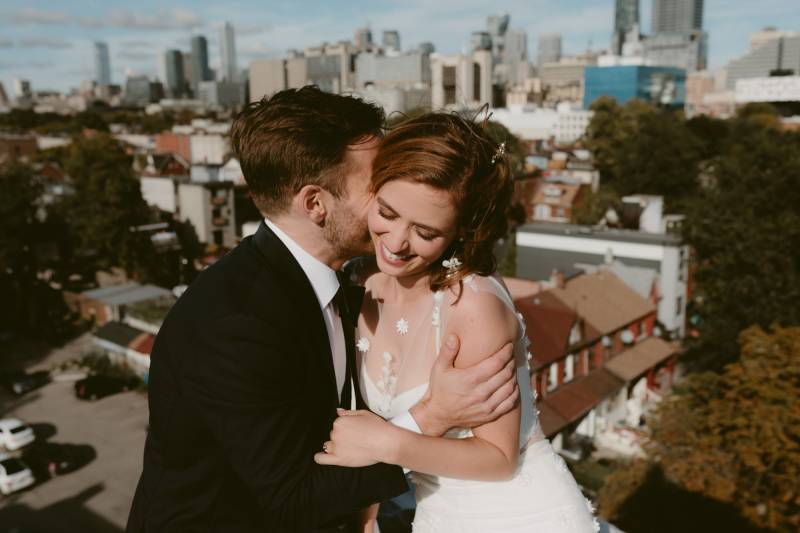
pixel 358 438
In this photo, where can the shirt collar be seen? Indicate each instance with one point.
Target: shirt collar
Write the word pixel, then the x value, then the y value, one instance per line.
pixel 322 277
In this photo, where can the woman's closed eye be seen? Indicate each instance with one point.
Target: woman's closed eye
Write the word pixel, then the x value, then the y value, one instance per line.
pixel 426 236
pixel 387 214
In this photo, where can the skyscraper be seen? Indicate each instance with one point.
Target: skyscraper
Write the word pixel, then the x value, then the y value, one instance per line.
pixel 549 48
pixel 227 51
pixel 174 80
pixel 626 14
pixel 3 96
pixel 678 39
pixel 102 64
pixel 391 40
pixel 363 39
pixel 677 16
pixel 200 70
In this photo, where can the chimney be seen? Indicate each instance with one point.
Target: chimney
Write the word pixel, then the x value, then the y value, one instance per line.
pixel 557 279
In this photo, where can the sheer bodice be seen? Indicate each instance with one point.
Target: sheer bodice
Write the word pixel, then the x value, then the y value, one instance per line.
pixel 398 345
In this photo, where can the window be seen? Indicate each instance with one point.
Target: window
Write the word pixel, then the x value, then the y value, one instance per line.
pixel 552 380
pixel 569 368
pixel 542 212
pixel 679 306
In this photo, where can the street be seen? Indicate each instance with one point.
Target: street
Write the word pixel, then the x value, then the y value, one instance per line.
pixel 96 497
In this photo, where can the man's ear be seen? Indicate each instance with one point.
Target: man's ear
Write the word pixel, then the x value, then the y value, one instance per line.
pixel 311 199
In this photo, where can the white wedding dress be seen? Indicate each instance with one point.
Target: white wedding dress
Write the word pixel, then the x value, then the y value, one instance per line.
pixel 397 350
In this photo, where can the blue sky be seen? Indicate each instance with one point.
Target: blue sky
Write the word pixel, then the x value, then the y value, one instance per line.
pixel 50 42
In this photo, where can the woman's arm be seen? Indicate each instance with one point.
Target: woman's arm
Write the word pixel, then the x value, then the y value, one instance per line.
pixel 485 324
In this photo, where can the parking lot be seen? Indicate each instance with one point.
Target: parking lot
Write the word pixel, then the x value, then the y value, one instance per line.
pixel 96 497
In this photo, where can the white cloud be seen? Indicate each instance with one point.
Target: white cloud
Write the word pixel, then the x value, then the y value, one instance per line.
pixel 30 15
pixel 44 42
pixel 162 20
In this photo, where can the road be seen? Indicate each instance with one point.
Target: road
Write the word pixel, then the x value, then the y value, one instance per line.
pixel 97 497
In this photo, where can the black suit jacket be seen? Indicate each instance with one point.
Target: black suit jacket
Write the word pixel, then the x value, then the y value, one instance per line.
pixel 242 394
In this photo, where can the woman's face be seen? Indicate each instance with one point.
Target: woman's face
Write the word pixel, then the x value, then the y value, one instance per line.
pixel 411 225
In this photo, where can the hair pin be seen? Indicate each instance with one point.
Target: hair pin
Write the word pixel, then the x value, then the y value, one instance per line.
pixel 501 151
pixel 452 265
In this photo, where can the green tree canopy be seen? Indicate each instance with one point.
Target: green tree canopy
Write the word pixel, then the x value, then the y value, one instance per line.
pixel 744 228
pixel 107 205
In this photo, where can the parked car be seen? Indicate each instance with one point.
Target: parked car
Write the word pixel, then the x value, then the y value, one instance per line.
pixel 14 434
pixel 50 459
pixel 14 474
pixel 99 386
pixel 19 382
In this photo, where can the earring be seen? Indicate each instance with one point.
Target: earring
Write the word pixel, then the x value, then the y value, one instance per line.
pixel 452 265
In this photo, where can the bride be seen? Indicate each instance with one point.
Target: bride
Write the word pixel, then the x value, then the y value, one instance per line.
pixel 442 189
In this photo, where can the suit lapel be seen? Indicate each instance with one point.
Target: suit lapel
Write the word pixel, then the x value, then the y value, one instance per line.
pixel 302 294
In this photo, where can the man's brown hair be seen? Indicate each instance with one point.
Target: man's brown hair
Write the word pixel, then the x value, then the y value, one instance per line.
pixel 299 137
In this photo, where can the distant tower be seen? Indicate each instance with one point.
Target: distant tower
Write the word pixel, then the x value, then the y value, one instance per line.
pixel 391 40
pixel 3 96
pixel 677 16
pixel 363 39
pixel 227 51
pixel 626 14
pixel 102 64
pixel 200 70
pixel 22 90
pixel 174 80
pixel 549 48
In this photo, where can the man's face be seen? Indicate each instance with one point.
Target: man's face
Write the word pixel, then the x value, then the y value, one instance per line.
pixel 346 224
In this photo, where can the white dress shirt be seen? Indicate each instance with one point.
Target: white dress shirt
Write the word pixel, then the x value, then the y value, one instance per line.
pixel 325 284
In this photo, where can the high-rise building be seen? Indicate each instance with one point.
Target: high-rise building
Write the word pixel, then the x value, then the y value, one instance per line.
pixel 175 82
pixel 480 40
pixel 3 96
pixel 22 90
pixel 776 56
pixel 497 26
pixel 626 14
pixel 102 64
pixel 391 40
pixel 549 48
pixel 227 51
pixel 677 39
pixel 677 16
pixel 426 47
pixel 363 39
pixel 461 81
pixel 200 70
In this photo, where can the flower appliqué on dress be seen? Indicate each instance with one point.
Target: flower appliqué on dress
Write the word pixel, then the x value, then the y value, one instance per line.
pixel 363 345
pixel 401 326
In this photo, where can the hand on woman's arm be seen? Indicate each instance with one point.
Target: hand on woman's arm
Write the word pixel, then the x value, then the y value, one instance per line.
pixel 360 438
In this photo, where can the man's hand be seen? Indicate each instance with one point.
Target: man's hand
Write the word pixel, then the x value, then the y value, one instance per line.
pixel 467 397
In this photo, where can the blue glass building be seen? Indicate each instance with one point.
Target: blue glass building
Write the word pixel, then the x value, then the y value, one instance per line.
pixel 662 86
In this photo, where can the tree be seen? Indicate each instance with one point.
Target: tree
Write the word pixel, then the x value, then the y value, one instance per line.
pixel 603 136
pixel 592 206
pixel 744 229
pixel 640 149
pixel 735 436
pixel 731 438
pixel 108 206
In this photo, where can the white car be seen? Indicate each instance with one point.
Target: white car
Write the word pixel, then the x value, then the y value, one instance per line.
pixel 14 474
pixel 14 434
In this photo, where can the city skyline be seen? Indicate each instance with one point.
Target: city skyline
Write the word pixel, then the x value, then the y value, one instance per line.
pixel 53 47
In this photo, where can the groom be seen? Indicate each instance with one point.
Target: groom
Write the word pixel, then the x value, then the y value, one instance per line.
pixel 253 360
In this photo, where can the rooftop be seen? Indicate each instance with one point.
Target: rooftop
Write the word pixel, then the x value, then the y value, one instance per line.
pixel 602 233
pixel 603 302
pixel 640 358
